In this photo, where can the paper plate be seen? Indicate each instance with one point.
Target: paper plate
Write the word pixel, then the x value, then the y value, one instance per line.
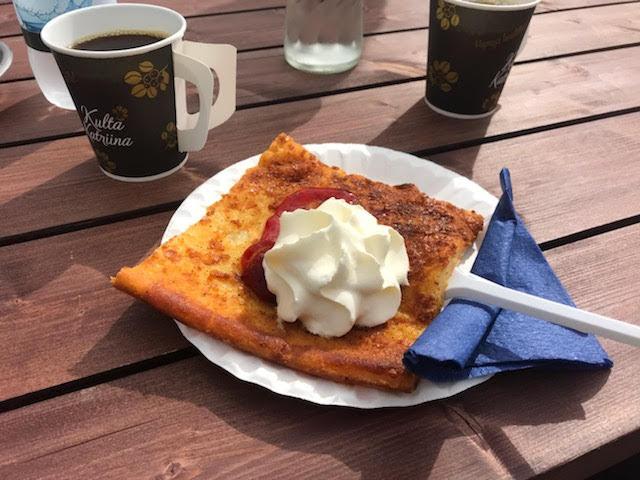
pixel 377 163
pixel 6 58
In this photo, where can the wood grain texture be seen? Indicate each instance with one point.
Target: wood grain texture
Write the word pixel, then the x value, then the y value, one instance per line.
pixel 208 7
pixel 255 29
pixel 41 175
pixel 395 8
pixel 260 28
pixel 565 179
pixel 9 23
pixel 619 458
pixel 555 5
pixel 86 326
pixel 60 320
pixel 191 419
pixel 263 76
pixel 403 55
pixel 64 300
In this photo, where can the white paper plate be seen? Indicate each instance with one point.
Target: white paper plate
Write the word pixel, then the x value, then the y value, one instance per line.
pixel 6 58
pixel 378 164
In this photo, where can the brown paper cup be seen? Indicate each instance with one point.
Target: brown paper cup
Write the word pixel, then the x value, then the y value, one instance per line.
pixel 472 47
pixel 132 101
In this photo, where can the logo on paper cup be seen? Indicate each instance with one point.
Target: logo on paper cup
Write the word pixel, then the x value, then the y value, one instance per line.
pixel 501 75
pixel 103 128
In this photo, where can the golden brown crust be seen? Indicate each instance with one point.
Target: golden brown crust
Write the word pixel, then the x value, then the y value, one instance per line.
pixel 195 276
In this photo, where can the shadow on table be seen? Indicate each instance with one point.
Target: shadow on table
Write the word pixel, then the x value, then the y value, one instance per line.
pixel 140 328
pixel 440 132
pixel 79 191
pixel 33 117
pixel 394 442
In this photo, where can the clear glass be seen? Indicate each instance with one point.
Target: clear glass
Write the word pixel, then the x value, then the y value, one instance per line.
pixel 33 15
pixel 49 78
pixel 323 36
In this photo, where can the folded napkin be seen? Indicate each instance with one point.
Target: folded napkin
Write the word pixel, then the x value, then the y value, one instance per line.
pixel 468 339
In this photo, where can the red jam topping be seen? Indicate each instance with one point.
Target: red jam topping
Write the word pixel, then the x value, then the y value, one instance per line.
pixel 251 261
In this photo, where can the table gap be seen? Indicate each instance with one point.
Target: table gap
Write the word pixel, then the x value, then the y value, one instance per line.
pixel 339 91
pixel 366 34
pixel 585 7
pixel 168 206
pixel 197 15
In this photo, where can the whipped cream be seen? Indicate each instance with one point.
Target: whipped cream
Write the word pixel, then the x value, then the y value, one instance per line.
pixel 334 267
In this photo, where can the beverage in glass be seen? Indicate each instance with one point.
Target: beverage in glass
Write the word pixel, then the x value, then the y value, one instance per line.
pixel 33 15
pixel 323 36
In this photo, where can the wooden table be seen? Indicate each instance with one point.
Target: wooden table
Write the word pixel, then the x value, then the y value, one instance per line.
pixel 96 385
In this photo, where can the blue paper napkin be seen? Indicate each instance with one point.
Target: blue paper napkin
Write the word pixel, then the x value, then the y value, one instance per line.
pixel 469 339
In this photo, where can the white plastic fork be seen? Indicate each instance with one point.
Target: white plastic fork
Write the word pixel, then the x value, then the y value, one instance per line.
pixel 472 287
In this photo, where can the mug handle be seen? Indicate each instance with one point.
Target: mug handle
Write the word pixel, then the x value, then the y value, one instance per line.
pixel 200 75
pixel 221 58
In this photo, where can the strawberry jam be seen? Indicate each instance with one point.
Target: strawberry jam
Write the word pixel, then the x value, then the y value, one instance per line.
pixel 251 261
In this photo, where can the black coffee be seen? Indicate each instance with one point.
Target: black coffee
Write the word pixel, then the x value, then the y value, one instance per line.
pixel 119 41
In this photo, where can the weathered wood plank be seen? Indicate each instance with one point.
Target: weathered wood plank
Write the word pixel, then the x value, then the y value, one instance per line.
pixel 55 296
pixel 71 277
pixel 191 419
pixel 558 34
pixel 9 23
pixel 263 75
pixel 566 178
pixel 253 29
pixel 208 7
pixel 38 176
pixel 555 5
pixel 400 56
pixel 223 428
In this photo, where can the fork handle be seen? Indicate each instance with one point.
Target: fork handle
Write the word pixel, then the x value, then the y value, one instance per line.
pixel 472 287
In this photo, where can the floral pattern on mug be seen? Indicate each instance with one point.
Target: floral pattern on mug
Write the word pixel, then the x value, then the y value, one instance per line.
pixel 104 161
pixel 170 135
pixel 120 113
pixel 147 80
pixel 441 75
pixel 491 101
pixel 447 15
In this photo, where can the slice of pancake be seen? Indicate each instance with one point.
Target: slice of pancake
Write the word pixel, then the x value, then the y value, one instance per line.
pixel 195 276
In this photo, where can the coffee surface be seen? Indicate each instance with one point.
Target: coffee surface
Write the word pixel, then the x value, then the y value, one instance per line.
pixel 118 41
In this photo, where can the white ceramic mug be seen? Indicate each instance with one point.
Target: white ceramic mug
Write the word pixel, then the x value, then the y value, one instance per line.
pixel 132 102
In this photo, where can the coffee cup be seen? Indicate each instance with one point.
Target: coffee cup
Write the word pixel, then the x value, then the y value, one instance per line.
pixel 472 47
pixel 131 97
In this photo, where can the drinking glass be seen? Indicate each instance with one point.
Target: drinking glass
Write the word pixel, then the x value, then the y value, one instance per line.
pixel 33 15
pixel 323 36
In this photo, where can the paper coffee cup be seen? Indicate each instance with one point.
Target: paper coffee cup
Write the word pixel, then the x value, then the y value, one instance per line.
pixel 132 100
pixel 472 47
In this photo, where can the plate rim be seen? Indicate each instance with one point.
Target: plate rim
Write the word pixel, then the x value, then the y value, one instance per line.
pixel 7 58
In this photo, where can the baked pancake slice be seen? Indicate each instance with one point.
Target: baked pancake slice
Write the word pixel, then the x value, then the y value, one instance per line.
pixel 195 276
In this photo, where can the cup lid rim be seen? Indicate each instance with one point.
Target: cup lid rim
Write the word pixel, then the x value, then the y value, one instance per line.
pixel 487 6
pixel 127 52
